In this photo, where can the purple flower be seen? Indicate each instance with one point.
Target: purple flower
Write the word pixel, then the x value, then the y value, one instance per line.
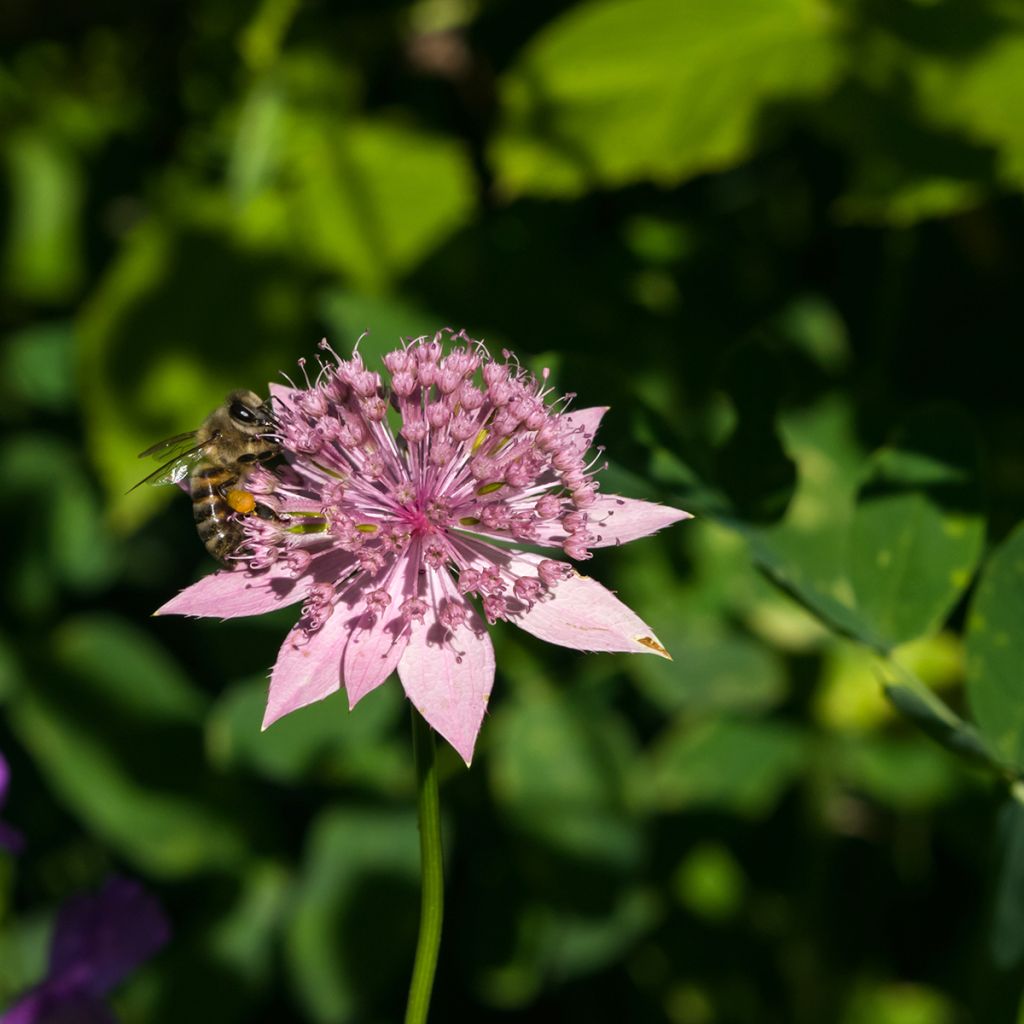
pixel 402 498
pixel 99 940
pixel 10 839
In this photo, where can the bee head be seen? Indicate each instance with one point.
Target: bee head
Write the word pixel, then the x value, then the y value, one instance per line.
pixel 249 413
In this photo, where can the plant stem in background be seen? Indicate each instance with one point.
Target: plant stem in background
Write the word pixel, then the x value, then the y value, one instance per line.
pixel 432 903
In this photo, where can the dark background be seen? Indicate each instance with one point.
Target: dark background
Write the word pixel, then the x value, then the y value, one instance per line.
pixel 783 240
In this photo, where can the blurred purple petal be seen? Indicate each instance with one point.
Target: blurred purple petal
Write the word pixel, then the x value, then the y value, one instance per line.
pixel 10 838
pixel 48 1004
pixel 102 938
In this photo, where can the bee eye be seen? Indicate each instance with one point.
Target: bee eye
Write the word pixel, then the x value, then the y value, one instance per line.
pixel 241 413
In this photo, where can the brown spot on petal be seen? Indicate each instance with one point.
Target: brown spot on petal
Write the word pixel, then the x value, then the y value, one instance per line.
pixel 652 645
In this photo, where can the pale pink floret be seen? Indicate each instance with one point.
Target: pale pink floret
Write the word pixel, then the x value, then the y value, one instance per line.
pixel 396 540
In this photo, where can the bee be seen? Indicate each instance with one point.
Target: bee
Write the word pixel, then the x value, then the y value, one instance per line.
pixel 215 460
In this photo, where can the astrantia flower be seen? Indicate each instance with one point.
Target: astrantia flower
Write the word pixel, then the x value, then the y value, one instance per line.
pixel 408 504
pixel 98 941
pixel 10 839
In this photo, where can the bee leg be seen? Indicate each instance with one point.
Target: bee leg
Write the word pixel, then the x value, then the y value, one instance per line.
pixel 265 512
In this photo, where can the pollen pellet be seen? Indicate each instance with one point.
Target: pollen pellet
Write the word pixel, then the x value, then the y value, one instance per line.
pixel 241 501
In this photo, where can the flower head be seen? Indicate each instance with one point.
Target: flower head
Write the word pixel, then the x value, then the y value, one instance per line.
pixel 408 504
pixel 10 839
pixel 98 941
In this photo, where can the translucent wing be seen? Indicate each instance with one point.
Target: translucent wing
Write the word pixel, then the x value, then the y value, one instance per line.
pixel 168 444
pixel 179 465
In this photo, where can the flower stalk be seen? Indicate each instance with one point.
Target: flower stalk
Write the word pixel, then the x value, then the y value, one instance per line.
pixel 428 812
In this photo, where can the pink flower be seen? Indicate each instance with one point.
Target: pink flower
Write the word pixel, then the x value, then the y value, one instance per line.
pixel 403 496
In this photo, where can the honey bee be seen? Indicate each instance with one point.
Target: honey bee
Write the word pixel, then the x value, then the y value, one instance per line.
pixel 215 460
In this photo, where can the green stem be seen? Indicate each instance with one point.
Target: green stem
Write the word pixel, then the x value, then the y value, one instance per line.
pixel 428 809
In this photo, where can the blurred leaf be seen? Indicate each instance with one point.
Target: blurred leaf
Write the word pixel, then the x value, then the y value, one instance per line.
pixel 978 95
pixel 66 541
pixel 1006 938
pixel 349 745
pixel 733 765
pixel 710 672
pixel 803 554
pixel 558 770
pixel 710 882
pixel 350 939
pixel 553 945
pixel 245 938
pixel 917 533
pixel 922 707
pixel 163 833
pixel 899 1003
pixel 995 651
pixel 24 953
pixel 42 256
pixel 619 91
pixel 36 366
pixel 170 289
pixel 906 775
pixel 125 668
pixel 387 321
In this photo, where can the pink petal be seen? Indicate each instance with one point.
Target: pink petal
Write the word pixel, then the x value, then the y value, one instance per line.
pixel 448 676
pixel 378 640
pixel 613 519
pixel 589 419
pixel 580 613
pixel 307 669
pixel 229 594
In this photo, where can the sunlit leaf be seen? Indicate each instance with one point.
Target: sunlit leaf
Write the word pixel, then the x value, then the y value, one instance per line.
pixel 917 531
pixel 618 91
pixel 995 650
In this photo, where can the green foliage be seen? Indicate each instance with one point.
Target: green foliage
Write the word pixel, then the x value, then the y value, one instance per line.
pixel 781 239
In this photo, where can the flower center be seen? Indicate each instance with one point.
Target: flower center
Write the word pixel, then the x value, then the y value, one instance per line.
pixel 419 522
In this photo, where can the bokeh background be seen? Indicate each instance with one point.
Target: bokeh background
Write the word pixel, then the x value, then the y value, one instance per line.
pixel 784 241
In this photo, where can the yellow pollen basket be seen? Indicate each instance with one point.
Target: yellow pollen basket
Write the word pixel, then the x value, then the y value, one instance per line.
pixel 241 501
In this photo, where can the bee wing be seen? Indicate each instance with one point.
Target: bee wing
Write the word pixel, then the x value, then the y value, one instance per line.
pixel 176 468
pixel 168 444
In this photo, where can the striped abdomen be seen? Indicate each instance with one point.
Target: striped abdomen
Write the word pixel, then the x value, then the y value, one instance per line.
pixel 208 485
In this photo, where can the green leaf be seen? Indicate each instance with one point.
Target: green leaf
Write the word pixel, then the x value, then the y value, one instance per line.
pixel 324 738
pixel 195 351
pixel 710 672
pixel 737 766
pixel 350 939
pixel 160 831
pixel 979 95
pixel 558 771
pixel 619 91
pixel 43 251
pixel 123 667
pixel 995 650
pixel 917 532
pixel 36 366
pixel 1006 939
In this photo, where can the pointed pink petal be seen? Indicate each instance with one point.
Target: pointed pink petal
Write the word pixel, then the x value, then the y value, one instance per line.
pixel 580 613
pixel 229 594
pixel 448 676
pixel 613 519
pixel 307 669
pixel 589 419
pixel 378 640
